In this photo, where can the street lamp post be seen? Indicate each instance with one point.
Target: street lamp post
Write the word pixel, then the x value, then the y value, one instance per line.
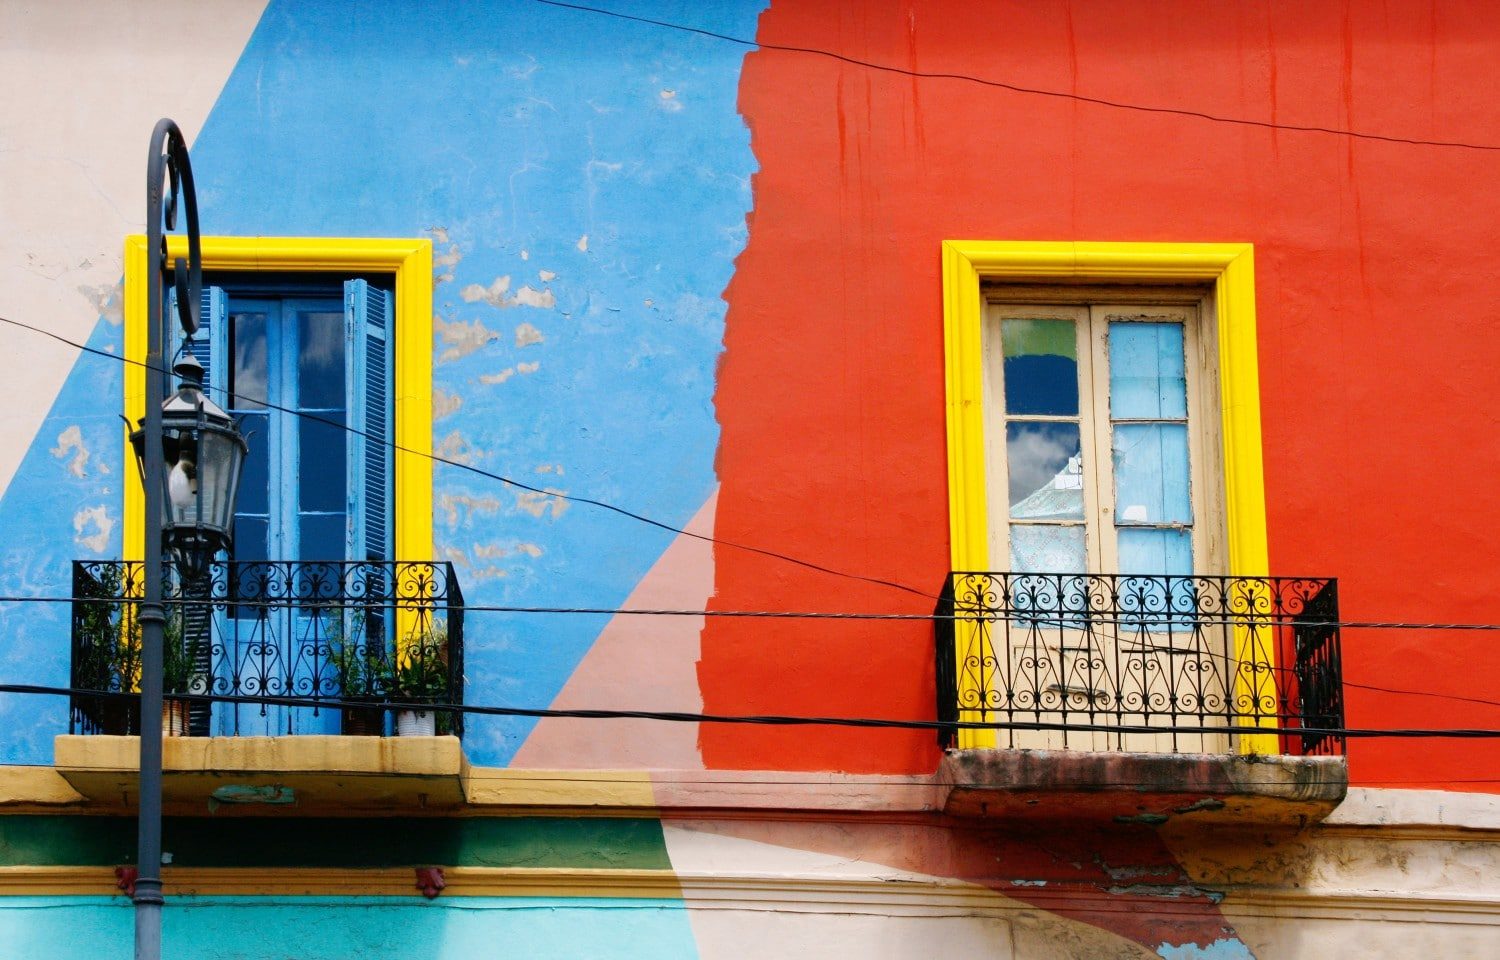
pixel 190 454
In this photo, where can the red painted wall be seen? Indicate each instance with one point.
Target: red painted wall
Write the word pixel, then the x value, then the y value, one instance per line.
pixel 1379 310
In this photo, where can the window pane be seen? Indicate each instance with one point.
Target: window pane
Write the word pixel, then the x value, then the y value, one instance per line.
pixel 320 360
pixel 321 537
pixel 248 379
pixel 1043 548
pixel 255 476
pixel 1151 473
pixel 1148 551
pixel 1046 472
pixel 249 539
pixel 322 474
pixel 1146 379
pixel 1041 367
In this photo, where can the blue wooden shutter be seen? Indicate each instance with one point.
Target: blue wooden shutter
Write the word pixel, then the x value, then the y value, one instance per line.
pixel 210 344
pixel 367 376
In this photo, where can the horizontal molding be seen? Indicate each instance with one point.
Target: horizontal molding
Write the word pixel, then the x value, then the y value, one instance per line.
pixel 874 895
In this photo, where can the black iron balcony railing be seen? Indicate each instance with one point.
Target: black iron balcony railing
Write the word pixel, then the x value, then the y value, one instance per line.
pixel 1149 663
pixel 357 635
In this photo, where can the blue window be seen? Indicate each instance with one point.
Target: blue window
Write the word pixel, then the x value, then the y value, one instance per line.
pixel 306 368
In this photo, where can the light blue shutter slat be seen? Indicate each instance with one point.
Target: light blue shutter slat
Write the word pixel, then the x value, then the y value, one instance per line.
pixel 211 344
pixel 367 374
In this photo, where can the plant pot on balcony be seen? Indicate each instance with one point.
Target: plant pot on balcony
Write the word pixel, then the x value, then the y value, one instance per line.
pixel 420 676
pixel 416 723
pixel 365 720
pixel 174 718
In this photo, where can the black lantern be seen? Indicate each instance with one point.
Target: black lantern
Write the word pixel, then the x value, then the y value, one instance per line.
pixel 202 452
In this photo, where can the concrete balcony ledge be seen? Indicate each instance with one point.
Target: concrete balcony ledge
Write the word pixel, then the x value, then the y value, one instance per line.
pixel 260 773
pixel 1152 789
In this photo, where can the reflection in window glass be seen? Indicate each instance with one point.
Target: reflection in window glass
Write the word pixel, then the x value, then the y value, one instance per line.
pixel 1046 472
pixel 1041 367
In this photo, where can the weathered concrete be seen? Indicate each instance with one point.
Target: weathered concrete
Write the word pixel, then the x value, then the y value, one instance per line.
pixel 1148 788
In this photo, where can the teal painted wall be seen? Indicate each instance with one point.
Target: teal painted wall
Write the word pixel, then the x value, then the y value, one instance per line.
pixel 322 928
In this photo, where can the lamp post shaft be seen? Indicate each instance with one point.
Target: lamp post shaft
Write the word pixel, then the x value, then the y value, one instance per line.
pixel 167 157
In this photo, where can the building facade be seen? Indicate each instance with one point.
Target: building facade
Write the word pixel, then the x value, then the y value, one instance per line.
pixel 1108 362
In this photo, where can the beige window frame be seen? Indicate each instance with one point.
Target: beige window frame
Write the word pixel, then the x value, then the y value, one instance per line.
pixel 1092 308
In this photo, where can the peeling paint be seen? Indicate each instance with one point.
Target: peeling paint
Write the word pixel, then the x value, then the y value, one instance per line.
pixel 583 244
pixel 530 549
pixel 458 506
pixel 556 468
pixel 456 448
pixel 71 441
pixel 537 503
pixel 490 551
pixel 105 298
pixel 461 338
pixel 102 523
pixel 494 294
pixel 1224 949
pixel 527 297
pixel 531 367
pixel 445 404
pixel 527 335
pixel 546 276
pixel 490 379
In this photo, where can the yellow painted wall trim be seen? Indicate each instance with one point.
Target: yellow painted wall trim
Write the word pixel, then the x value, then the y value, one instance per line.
pixel 409 261
pixel 1231 268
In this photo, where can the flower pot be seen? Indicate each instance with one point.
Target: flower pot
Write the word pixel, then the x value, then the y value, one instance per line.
pixel 416 723
pixel 363 721
pixel 174 718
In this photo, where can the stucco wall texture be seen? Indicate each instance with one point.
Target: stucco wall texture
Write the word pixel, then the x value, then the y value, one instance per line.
pixel 670 264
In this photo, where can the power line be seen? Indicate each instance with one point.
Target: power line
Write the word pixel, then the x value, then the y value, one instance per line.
pixel 783 720
pixel 589 501
pixel 1031 91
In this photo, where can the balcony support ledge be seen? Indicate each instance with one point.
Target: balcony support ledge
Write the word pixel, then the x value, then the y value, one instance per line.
pixel 1151 789
pixel 397 773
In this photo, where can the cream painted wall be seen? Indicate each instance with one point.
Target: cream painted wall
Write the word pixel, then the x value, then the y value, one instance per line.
pixel 75 120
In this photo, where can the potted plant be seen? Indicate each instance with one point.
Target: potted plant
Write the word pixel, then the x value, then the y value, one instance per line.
pixel 180 673
pixel 360 670
pixel 419 675
pixel 106 653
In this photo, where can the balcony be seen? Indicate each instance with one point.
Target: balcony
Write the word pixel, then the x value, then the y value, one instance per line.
pixel 1141 695
pixel 341 640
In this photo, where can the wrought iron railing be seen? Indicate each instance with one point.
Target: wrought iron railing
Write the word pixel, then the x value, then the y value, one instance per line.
pixel 1150 663
pixel 356 636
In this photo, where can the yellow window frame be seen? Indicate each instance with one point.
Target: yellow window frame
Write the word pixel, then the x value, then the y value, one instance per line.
pixel 1230 267
pixel 409 262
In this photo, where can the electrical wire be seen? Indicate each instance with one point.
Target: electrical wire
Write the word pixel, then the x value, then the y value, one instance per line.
pixel 480 471
pixel 783 720
pixel 1030 91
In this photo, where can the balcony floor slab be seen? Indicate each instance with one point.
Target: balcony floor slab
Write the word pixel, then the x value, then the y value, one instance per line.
pixel 1152 789
pixel 261 773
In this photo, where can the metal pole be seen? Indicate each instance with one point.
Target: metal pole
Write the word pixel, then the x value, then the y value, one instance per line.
pixel 166 140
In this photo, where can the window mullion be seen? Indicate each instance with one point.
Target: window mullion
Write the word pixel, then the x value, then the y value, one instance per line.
pixel 1103 549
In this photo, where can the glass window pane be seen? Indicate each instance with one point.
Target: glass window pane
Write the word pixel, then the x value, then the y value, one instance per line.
pixel 320 360
pixel 255 475
pixel 1043 548
pixel 1041 367
pixel 321 537
pixel 249 539
pixel 1153 551
pixel 248 380
pixel 1046 471
pixel 1151 473
pixel 1146 379
pixel 321 474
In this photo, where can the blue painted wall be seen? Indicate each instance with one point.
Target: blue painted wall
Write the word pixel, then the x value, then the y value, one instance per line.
pixel 320 928
pixel 585 180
